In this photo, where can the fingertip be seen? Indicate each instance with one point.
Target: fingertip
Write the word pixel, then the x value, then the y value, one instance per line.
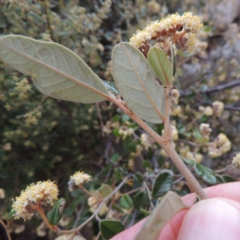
pixel 215 218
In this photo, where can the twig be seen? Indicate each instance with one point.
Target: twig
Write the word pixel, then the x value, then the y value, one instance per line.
pixel 98 236
pixel 87 192
pixel 178 180
pixel 48 19
pixel 100 118
pixel 6 230
pixel 149 194
pixel 134 215
pixel 167 126
pixel 113 163
pixel 130 192
pixel 229 167
pixel 78 216
pixel 193 121
pixel 233 108
pixel 97 211
pixel 72 236
pixel 166 144
pixel 191 180
pixel 222 87
pixel 110 206
pixel 213 89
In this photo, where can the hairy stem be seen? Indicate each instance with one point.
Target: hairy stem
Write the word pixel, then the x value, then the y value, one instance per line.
pixel 167 125
pixel 44 218
pixel 87 192
pixel 191 180
pixel 166 144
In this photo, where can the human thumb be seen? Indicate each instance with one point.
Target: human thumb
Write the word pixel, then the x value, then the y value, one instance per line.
pixel 212 219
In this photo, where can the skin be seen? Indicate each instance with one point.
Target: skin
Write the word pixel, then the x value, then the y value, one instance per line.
pixel 217 218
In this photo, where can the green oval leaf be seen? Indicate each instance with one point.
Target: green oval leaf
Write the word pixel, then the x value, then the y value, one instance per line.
pixel 117 174
pixel 169 206
pixel 56 213
pixel 55 70
pixel 206 173
pixel 138 177
pixel 140 200
pixel 136 81
pixel 162 183
pixel 161 65
pixel 224 178
pixel 105 190
pixel 110 228
pixel 126 201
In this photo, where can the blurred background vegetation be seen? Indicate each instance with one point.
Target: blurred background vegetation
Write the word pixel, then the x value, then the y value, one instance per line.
pixel 43 138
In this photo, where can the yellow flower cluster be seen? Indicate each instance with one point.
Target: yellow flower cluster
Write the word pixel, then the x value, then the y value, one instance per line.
pixel 42 193
pixel 205 129
pixel 236 160
pixel 220 146
pixel 2 193
pixel 77 179
pixel 179 30
pixel 93 204
pixel 208 111
pixel 145 141
pixel 125 132
pixel 31 117
pixel 174 133
pixel 23 87
pixel 218 108
pixel 196 157
pixel 7 146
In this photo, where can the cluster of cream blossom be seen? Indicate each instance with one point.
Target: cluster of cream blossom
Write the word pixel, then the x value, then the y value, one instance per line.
pixel 196 157
pixel 85 22
pixel 7 146
pixel 220 146
pixel 93 204
pixel 174 132
pixel 205 129
pixel 77 179
pixel 22 88
pixel 176 110
pixel 125 132
pixel 42 193
pixel 236 160
pixel 216 109
pixel 32 117
pixel 179 30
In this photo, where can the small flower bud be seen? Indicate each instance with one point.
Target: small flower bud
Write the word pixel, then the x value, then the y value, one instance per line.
pixel 77 179
pixel 218 108
pixel 197 157
pixel 208 111
pixel 205 129
pixel 236 160
pixel 92 201
pixel 220 146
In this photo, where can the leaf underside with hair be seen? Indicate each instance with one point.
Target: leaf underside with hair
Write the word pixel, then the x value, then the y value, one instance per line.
pixel 55 70
pixel 136 81
pixel 169 206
